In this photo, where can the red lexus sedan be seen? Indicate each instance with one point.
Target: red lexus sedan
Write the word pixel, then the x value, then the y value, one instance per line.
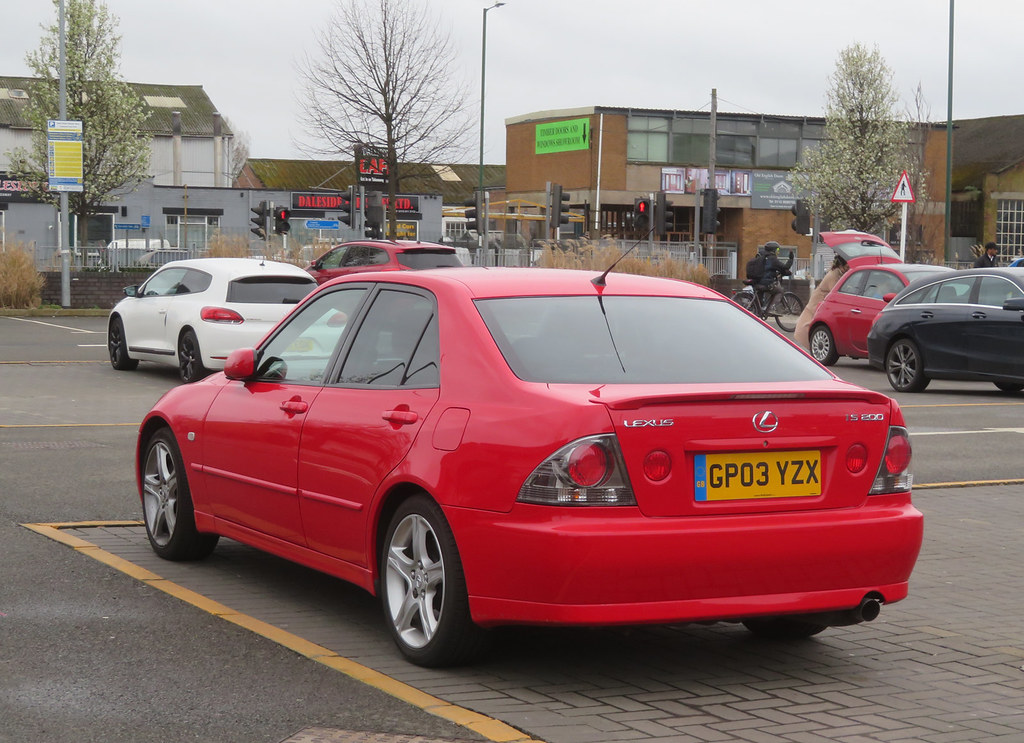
pixel 487 447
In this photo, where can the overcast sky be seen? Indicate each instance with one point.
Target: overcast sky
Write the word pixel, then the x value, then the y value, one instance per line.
pixel 761 56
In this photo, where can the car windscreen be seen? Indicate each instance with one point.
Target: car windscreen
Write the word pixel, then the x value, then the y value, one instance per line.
pixel 270 289
pixel 428 258
pixel 861 248
pixel 640 340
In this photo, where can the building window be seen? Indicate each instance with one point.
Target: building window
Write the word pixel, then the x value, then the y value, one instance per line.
pixel 193 236
pixel 1010 227
pixel 734 150
pixel 775 152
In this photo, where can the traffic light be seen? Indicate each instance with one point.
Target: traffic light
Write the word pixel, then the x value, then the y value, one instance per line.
pixel 473 213
pixel 662 215
pixel 345 207
pixel 642 214
pixel 802 213
pixel 558 207
pixel 281 217
pixel 259 220
pixel 375 214
pixel 709 211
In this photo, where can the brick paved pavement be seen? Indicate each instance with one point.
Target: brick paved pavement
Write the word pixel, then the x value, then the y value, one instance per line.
pixel 944 666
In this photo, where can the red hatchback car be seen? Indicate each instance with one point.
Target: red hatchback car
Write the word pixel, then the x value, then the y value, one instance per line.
pixel 380 255
pixel 841 322
pixel 487 447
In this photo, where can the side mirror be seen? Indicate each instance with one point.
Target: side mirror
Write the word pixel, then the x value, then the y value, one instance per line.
pixel 131 291
pixel 241 364
pixel 888 297
pixel 1016 304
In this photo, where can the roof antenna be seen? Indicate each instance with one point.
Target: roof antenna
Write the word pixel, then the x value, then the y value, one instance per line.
pixel 599 280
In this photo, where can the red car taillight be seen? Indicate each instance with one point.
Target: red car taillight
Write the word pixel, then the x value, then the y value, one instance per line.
pixel 220 314
pixel 586 472
pixel 893 474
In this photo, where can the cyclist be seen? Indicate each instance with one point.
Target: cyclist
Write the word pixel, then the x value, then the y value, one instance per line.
pixel 768 287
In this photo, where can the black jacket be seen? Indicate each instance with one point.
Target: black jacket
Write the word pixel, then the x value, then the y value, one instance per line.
pixel 775 268
pixel 985 261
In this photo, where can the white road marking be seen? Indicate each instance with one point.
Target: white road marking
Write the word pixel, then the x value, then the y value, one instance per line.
pixel 55 325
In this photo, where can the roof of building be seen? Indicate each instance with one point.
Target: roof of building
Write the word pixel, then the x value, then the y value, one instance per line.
pixel 983 146
pixel 161 101
pixel 455 182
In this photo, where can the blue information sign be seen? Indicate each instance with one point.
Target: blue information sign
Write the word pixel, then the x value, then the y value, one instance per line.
pixel 323 224
pixel 123 226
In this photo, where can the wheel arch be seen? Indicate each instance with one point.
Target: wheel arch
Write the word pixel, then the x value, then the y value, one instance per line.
pixel 396 495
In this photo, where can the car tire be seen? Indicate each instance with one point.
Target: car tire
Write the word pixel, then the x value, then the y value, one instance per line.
pixel 117 345
pixel 190 359
pixel 904 367
pixel 781 628
pixel 1009 386
pixel 823 345
pixel 423 588
pixel 167 503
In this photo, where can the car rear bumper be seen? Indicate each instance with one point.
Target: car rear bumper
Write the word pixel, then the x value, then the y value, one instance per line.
pixel 540 565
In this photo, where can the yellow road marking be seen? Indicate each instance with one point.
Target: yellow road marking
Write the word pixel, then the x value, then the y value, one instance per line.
pixel 488 727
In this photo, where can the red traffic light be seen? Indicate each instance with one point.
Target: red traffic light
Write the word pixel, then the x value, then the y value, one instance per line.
pixel 281 216
pixel 641 207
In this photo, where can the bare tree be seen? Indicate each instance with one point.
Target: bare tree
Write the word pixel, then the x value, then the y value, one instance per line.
pixel 115 157
pixel 383 79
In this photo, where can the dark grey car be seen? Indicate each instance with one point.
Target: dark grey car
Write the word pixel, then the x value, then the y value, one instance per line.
pixel 966 325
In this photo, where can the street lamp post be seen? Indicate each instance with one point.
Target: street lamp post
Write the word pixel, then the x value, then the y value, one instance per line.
pixel 485 217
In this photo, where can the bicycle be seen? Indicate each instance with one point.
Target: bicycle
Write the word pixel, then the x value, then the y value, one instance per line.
pixel 785 307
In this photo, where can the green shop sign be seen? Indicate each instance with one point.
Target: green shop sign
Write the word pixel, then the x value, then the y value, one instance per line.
pixel 562 136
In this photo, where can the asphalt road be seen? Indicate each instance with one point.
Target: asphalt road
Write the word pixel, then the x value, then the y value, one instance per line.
pixel 88 653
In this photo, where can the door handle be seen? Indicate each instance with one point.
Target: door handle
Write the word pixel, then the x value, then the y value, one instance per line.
pixel 400 416
pixel 854 312
pixel 927 315
pixel 294 406
pixel 979 315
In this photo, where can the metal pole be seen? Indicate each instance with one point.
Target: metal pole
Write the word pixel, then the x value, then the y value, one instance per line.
pixel 482 234
pixel 949 142
pixel 64 238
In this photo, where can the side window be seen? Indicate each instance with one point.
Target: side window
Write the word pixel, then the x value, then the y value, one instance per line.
pixel 357 255
pixel 303 348
pixel 925 295
pixel 994 291
pixel 193 282
pixel 396 345
pixel 377 256
pixel 955 291
pixel 880 283
pixel 854 285
pixel 163 283
pixel 332 259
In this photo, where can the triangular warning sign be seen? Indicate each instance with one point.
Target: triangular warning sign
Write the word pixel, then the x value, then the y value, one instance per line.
pixel 903 194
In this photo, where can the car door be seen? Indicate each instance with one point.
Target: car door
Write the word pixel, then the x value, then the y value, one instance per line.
pixel 844 303
pixel 253 428
pixel 996 337
pixel 325 267
pixel 364 422
pixel 145 318
pixel 864 307
pixel 942 325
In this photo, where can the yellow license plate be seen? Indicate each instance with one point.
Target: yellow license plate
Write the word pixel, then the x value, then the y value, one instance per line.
pixel 756 475
pixel 301 345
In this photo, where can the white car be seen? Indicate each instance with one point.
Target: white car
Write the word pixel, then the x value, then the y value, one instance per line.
pixel 191 314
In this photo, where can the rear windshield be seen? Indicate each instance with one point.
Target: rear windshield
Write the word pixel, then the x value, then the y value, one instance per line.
pixel 270 289
pixel 645 340
pixel 440 258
